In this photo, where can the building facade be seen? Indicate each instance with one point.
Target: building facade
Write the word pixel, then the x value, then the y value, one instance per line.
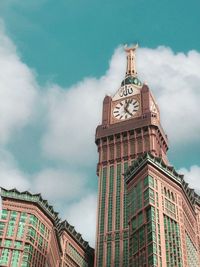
pixel 31 234
pixel 130 127
pixel 75 250
pixel 153 218
pixel 163 216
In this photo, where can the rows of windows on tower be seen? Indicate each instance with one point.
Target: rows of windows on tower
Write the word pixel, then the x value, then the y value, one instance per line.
pixel 147 214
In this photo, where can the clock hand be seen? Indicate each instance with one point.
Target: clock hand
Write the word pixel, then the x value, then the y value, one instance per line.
pixel 126 109
pixel 127 104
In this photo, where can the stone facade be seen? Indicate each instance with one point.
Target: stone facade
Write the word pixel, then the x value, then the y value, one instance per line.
pixel 163 216
pixel 75 250
pixel 130 127
pixel 152 219
pixel 32 235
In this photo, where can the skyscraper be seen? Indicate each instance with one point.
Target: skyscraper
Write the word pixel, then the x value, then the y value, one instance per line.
pixel 130 127
pixel 147 214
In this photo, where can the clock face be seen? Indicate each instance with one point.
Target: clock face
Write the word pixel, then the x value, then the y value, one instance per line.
pixel 126 109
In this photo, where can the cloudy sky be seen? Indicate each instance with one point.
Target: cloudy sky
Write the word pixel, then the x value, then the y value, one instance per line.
pixel 58 59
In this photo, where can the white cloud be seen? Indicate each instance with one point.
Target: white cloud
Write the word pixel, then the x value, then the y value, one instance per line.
pixel 10 175
pixel 82 214
pixel 17 89
pixel 74 114
pixel 174 79
pixel 57 184
pixel 192 176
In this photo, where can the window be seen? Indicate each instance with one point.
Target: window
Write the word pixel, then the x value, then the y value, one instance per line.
pixel 42 228
pixel 149 196
pixel 7 243
pixel 110 198
pixel 141 237
pixel 117 253
pixel 20 232
pixel 18 244
pixel 109 254
pixel 10 230
pixel 13 215
pixel 33 220
pixel 148 181
pixel 152 248
pixel 2 227
pixel 140 219
pixel 31 232
pixel 118 191
pixel 15 258
pixel 4 256
pixel 4 214
pixel 23 217
pixel 103 197
pixel 134 224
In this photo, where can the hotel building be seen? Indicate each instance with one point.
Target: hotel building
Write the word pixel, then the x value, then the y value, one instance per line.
pixel 150 218
pixel 163 216
pixel 31 234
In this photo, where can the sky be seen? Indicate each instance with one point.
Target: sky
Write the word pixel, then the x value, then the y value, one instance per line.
pixel 58 59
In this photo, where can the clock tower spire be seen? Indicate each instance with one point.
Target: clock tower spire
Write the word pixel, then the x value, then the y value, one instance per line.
pixel 130 127
pixel 131 66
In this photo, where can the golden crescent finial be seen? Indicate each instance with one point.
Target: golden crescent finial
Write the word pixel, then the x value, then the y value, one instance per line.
pixel 132 48
pixel 131 66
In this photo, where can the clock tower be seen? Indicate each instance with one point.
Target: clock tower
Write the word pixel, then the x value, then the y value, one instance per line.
pixel 130 127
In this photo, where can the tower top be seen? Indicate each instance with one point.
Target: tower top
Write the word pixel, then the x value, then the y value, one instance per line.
pixel 131 66
pixel 131 72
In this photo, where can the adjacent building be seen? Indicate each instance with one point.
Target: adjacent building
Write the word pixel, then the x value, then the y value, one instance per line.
pixel 75 250
pixel 163 216
pixel 31 234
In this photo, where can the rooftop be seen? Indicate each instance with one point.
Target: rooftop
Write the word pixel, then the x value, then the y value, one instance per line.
pixel 48 209
pixel 157 162
pixel 65 226
pixel 28 197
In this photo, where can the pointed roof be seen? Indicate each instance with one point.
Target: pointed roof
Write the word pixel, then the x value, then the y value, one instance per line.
pixel 170 171
pixel 130 85
pixel 131 66
pixel 131 72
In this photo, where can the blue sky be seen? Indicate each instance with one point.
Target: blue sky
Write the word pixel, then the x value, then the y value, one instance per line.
pixel 58 56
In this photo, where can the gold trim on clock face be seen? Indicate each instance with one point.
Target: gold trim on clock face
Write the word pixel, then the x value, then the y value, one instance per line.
pixel 126 109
